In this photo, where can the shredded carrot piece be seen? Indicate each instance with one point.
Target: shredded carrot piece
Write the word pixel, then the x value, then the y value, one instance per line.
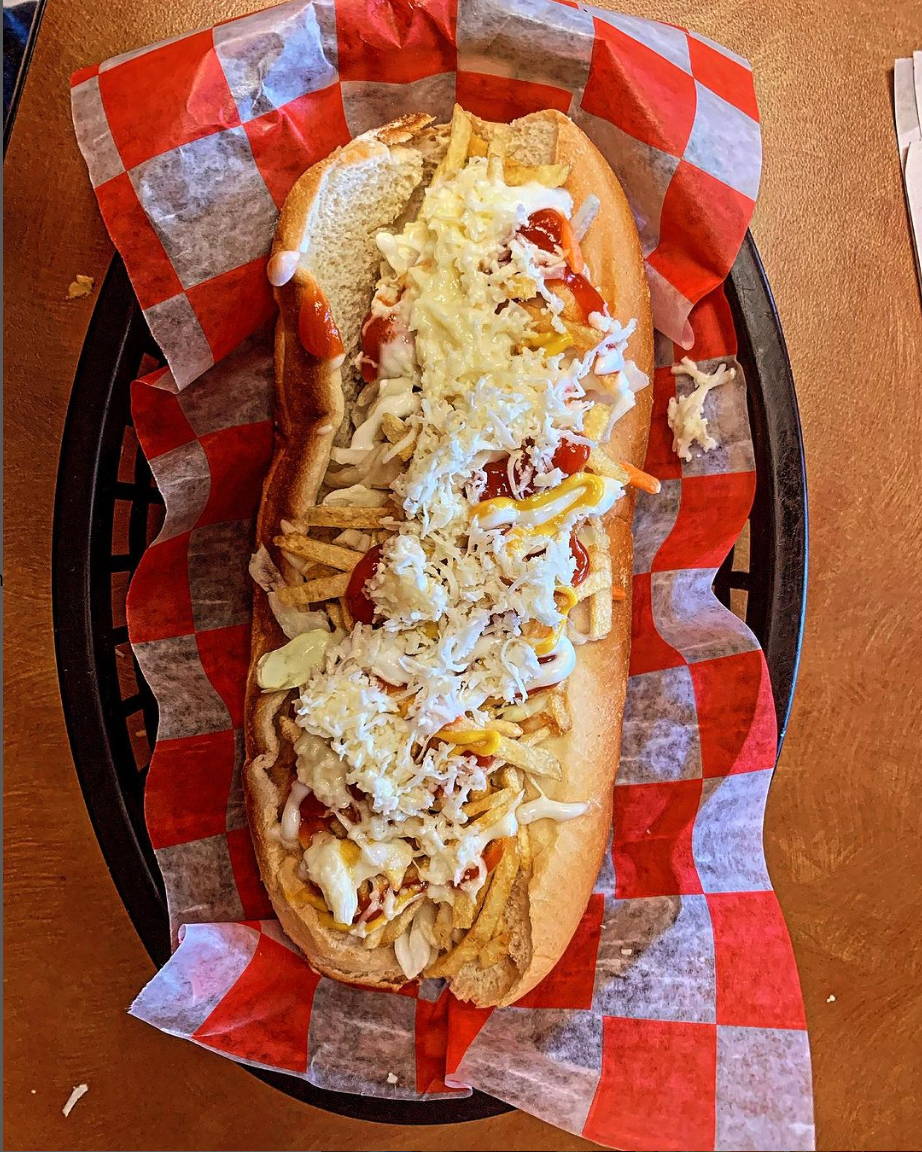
pixel 570 246
pixel 639 479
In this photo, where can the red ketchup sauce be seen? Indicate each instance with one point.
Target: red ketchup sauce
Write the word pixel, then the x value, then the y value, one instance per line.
pixel 545 229
pixel 497 484
pixel 314 819
pixel 317 328
pixel 580 558
pixel 492 855
pixel 569 458
pixel 361 607
pixel 376 331
pixel 587 297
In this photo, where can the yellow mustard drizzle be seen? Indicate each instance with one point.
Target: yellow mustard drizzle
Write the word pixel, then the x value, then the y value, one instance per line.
pixel 552 343
pixel 546 645
pixel 593 490
pixel 486 740
pixel 570 596
pixel 403 899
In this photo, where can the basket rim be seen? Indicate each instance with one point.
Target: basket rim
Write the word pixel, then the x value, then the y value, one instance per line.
pixel 84 637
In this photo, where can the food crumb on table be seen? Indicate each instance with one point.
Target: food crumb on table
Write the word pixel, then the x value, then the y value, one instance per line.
pixel 830 999
pixel 79 1091
pixel 392 1077
pixel 80 286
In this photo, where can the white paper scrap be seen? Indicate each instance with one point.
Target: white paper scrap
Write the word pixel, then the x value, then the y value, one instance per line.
pixel 906 102
pixel 907 110
pixel 79 1091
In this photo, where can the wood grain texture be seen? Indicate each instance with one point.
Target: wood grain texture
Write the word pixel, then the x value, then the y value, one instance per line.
pixel 842 818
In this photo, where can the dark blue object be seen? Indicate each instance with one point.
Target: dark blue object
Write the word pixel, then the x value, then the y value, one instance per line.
pixel 20 24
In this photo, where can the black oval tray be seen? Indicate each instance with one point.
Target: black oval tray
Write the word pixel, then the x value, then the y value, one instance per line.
pixel 107 509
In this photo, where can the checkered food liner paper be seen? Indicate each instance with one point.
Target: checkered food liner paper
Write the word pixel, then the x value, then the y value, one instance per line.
pixel 192 145
pixel 674 1019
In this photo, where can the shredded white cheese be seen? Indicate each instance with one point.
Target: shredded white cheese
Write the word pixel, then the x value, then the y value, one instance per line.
pixel 457 596
pixel 686 415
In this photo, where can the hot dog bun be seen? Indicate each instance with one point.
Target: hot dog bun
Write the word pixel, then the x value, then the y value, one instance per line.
pixel 331 216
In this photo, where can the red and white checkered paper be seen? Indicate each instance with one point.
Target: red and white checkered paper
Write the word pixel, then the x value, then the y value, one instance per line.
pixel 674 1020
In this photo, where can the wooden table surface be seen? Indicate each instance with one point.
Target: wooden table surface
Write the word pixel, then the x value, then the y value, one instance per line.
pixel 843 816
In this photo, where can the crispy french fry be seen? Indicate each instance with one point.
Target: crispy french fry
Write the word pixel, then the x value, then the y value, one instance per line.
pixel 599 560
pixel 550 175
pixel 347 516
pixel 347 619
pixel 596 421
pixel 466 908
pixel 506 727
pixel 512 778
pixel 594 534
pixel 456 153
pixel 497 809
pixel 600 614
pixel 533 723
pixel 559 712
pixel 326 588
pixel 578 621
pixel 582 336
pixel 496 151
pixel 531 706
pixel 476 146
pixel 477 807
pixel 463 911
pixel 498 144
pixel 373 939
pixel 523 838
pixel 532 761
pixel 594 582
pixel 393 427
pixel 601 463
pixel 335 612
pixel 494 951
pixel 313 569
pixel 333 555
pixel 401 922
pixel 490 914
pixel 520 286
pixel 289 729
pixel 442 927
pixel 596 588
pixel 538 736
pixel 405 452
pixel 494 904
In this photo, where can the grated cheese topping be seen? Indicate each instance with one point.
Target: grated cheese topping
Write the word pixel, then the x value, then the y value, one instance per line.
pixel 458 596
pixel 686 415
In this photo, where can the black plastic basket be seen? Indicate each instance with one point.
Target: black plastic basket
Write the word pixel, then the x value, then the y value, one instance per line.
pixel 107 509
